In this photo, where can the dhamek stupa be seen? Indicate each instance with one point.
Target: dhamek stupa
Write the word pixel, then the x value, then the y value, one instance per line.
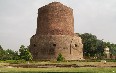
pixel 55 34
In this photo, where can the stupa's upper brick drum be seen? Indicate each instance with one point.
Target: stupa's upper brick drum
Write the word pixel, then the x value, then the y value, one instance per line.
pixel 55 19
pixel 55 34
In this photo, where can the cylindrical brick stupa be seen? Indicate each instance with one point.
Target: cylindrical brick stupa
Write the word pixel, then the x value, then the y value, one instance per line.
pixel 55 34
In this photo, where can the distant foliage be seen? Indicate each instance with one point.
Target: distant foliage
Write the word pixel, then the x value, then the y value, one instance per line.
pixel 9 54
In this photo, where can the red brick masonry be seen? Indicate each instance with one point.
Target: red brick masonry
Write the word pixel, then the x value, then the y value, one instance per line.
pixel 55 34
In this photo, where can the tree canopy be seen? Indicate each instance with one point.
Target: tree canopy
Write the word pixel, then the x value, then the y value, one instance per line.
pixel 24 53
pixel 14 55
pixel 92 46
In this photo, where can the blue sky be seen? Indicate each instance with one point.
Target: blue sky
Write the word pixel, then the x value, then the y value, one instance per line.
pixel 18 19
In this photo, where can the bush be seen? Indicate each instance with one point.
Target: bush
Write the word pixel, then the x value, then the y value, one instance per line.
pixel 60 57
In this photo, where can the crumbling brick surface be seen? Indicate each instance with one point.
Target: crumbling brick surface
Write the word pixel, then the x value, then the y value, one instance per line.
pixel 55 34
pixel 55 19
pixel 48 47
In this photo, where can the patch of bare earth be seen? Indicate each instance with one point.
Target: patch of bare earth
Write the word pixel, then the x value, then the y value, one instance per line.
pixel 81 64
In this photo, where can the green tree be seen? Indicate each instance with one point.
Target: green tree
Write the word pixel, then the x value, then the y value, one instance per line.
pixel 12 55
pixel 2 54
pixel 91 45
pixel 16 57
pixel 24 53
pixel 8 55
pixel 95 47
pixel 1 47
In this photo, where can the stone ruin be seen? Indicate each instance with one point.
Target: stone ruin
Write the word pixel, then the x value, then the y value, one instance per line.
pixel 55 34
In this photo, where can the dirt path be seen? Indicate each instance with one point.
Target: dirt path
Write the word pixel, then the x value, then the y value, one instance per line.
pixel 91 64
pixel 66 65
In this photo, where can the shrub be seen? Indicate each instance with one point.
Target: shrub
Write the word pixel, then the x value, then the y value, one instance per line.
pixel 60 57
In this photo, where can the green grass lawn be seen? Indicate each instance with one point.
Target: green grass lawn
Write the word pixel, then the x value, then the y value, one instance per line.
pixel 78 70
pixel 101 67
